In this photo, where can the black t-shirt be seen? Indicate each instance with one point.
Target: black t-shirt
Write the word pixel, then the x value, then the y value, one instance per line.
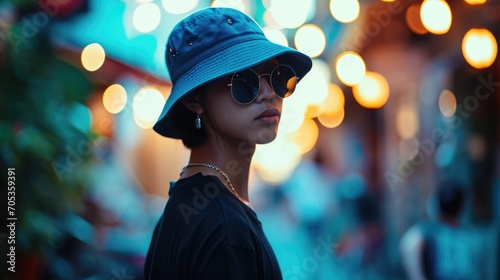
pixel 207 233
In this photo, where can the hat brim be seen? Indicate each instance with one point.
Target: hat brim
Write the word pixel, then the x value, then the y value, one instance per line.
pixel 232 59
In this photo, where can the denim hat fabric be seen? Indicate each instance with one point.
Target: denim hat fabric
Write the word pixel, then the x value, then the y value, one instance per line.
pixel 213 43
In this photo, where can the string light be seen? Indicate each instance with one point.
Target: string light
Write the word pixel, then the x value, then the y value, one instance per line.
pixel 345 11
pixel 93 57
pixel 436 16
pixel 479 48
pixel 350 68
pixel 114 98
pixel 147 105
pixel 372 92
pixel 146 17
pixel 310 40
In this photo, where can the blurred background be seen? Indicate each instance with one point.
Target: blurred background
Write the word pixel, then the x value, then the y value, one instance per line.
pixel 402 99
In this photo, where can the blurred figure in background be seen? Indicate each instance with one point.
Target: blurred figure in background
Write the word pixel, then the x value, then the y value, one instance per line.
pixel 445 249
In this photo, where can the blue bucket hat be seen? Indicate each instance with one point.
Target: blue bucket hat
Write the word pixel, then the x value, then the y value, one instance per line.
pixel 213 43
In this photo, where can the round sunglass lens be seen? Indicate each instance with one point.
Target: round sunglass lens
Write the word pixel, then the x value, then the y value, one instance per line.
pixel 283 80
pixel 245 86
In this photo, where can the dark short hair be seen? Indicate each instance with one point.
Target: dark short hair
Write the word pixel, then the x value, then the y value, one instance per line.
pixel 451 199
pixel 184 124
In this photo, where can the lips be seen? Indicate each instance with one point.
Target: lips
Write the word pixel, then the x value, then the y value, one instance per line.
pixel 267 113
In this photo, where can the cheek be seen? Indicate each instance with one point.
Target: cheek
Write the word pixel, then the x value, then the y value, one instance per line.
pixel 236 120
pixel 224 111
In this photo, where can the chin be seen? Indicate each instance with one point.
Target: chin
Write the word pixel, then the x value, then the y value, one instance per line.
pixel 266 135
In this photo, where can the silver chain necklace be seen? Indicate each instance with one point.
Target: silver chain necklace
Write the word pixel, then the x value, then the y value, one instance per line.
pixel 223 175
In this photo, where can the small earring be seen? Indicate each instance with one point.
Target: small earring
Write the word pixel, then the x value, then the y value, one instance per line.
pixel 197 121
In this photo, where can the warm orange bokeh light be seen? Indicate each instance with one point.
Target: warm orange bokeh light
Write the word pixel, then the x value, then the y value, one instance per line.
pixel 413 20
pixel 93 57
pixel 475 2
pixel 479 48
pixel 114 98
pixel 332 120
pixel 345 11
pixel 305 137
pixel 407 123
pixel 372 92
pixel 447 103
pixel 436 16
pixel 350 68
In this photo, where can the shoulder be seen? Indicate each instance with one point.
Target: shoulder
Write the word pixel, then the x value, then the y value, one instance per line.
pixel 198 199
pixel 201 207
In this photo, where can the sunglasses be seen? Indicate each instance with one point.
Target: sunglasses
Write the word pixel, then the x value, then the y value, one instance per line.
pixel 245 85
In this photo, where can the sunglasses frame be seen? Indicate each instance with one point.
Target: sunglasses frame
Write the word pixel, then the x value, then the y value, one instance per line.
pixel 260 82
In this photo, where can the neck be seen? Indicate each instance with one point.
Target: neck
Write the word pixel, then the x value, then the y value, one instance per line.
pixel 233 160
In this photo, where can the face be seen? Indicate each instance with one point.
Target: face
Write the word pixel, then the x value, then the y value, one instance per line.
pixel 256 122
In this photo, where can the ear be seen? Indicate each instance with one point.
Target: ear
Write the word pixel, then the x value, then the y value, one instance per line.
pixel 193 103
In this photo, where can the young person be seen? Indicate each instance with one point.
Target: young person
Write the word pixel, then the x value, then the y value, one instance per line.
pixel 447 248
pixel 229 82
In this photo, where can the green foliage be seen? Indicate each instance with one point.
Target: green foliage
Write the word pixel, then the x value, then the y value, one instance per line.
pixel 39 137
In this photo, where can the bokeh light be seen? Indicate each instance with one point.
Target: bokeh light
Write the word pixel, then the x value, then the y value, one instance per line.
pixel 305 137
pixel 332 119
pixel 290 15
pixel 93 57
pixel 479 48
pixel 335 100
pixel 275 162
pixel 311 92
pixel 114 98
pixel 310 40
pixel 147 105
pixel 372 92
pixel 179 7
pixel 407 123
pixel 319 80
pixel 413 19
pixel 235 4
pixel 475 2
pixel 146 17
pixel 322 68
pixel 276 36
pixel 269 20
pixel 313 111
pixel 292 114
pixel 447 103
pixel 331 113
pixel 333 103
pixel 350 68
pixel 436 16
pixel 344 11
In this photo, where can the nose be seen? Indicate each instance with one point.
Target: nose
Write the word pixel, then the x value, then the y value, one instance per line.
pixel 266 91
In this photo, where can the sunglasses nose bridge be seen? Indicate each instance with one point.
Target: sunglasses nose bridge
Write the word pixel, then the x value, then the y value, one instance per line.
pixel 266 90
pixel 266 79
